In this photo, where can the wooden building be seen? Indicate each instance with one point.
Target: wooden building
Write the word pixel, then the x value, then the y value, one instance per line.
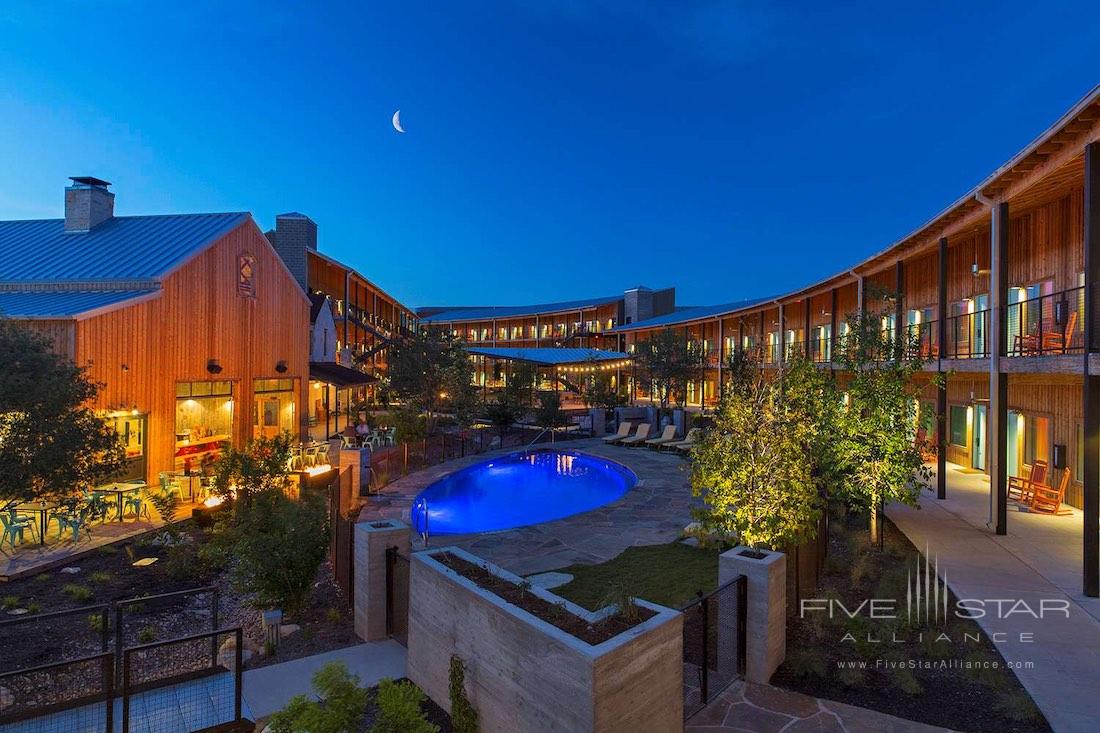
pixel 1000 292
pixel 191 322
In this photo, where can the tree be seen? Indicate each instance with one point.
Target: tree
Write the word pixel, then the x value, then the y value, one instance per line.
pixel 340 708
pixel 52 443
pixel 511 403
pixel 548 413
pixel 278 544
pixel 878 459
pixel 667 361
pixel 597 390
pixel 432 371
pixel 753 469
pixel 260 466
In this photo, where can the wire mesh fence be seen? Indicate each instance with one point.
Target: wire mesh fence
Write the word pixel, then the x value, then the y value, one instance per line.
pixel 193 683
pixel 33 640
pixel 74 696
pixel 714 644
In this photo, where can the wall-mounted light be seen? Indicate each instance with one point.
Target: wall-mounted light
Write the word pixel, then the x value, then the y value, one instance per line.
pixel 213 366
pixel 281 366
pixel 125 367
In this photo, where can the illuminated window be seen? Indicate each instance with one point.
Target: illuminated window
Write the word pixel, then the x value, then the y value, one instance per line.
pixel 958 425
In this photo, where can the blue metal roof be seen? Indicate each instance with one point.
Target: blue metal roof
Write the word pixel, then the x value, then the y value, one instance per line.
pixel 61 303
pixel 504 311
pixel 687 315
pixel 121 248
pixel 548 356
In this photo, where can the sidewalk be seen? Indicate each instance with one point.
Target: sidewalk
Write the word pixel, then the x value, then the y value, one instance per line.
pixel 977 564
pixel 268 689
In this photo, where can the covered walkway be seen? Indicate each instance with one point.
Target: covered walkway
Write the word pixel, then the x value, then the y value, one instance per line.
pixel 1038 562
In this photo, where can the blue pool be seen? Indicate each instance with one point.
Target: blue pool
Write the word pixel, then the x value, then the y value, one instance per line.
pixel 519 489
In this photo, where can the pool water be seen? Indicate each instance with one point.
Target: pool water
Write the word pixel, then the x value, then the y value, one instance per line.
pixel 519 489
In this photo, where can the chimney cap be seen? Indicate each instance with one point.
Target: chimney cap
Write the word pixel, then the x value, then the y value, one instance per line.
pixel 89 181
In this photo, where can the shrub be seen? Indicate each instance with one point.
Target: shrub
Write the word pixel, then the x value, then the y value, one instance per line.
pixel 79 593
pixel 399 709
pixel 167 503
pixel 342 709
pixel 95 622
pixel 99 577
pixel 463 715
pixel 146 635
pixel 34 607
pixel 279 544
pixel 409 425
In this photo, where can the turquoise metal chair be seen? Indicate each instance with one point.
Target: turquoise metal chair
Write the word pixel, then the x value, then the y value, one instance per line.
pixel 75 521
pixel 12 529
pixel 136 503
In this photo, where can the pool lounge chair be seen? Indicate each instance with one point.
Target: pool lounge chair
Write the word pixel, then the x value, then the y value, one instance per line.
pixel 624 430
pixel 683 446
pixel 638 438
pixel 667 436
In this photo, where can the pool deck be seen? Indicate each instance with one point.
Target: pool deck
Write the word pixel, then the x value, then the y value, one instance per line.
pixel 655 511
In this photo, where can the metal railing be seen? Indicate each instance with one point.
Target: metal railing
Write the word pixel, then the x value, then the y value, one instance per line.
pixel 714 643
pixel 923 340
pixel 1048 324
pixel 821 350
pixel 74 696
pixel 967 336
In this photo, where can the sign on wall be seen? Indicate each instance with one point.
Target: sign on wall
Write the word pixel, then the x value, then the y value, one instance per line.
pixel 246 276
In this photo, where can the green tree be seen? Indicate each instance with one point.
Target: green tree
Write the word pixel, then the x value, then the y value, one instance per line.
pixel 511 403
pixel 432 372
pixel 667 361
pixel 261 465
pixel 399 709
pixel 877 458
pixel 339 709
pixel 548 413
pixel 597 390
pixel 278 544
pixel 52 443
pixel 752 469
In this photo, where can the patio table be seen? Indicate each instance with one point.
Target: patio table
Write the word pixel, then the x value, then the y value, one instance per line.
pixel 42 509
pixel 119 489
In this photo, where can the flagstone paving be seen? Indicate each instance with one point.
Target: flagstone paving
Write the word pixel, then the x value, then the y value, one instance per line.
pixel 655 511
pixel 749 708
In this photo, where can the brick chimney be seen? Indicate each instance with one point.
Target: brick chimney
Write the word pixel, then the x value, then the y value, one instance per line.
pixel 293 234
pixel 88 204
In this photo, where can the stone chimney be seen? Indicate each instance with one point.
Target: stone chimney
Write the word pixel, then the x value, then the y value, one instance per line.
pixel 293 234
pixel 88 204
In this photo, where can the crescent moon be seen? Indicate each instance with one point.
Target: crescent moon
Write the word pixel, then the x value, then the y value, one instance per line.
pixel 397 121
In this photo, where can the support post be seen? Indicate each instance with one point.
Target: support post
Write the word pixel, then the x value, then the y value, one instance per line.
pixel 1091 386
pixel 779 358
pixel 832 328
pixel 941 395
pixel 766 608
pixel 806 332
pixel 998 380
pixel 901 333
pixel 371 540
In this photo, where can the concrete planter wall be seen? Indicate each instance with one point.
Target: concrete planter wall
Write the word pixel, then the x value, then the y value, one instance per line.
pixel 523 674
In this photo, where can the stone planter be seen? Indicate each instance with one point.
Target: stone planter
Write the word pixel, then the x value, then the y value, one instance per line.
pixel 524 674
pixel 766 615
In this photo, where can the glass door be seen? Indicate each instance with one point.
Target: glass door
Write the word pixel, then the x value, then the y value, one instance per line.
pixel 980 308
pixel 1015 442
pixel 977 446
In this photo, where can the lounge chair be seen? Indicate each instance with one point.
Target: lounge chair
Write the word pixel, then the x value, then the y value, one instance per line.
pixel 1047 500
pixel 1020 489
pixel 637 438
pixel 667 436
pixel 624 430
pixel 683 446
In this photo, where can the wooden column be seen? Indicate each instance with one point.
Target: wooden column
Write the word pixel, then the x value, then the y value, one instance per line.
pixel 762 340
pixel 997 428
pixel 832 328
pixel 1091 386
pixel 806 331
pixel 941 393
pixel 780 357
pixel 860 304
pixel 721 355
pixel 901 333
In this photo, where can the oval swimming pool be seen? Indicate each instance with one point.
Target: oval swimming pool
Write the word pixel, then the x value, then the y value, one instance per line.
pixel 519 489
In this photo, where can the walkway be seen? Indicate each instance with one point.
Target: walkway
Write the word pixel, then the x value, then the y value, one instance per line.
pixel 1039 560
pixel 268 689
pixel 749 708
pixel 655 511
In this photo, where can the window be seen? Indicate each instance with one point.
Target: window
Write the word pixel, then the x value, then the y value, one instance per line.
pixel 273 407
pixel 204 421
pixel 958 425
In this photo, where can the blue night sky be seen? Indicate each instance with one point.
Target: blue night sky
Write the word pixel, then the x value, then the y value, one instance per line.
pixel 730 149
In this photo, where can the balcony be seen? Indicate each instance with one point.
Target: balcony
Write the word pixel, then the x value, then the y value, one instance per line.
pixel 967 336
pixel 1046 325
pixel 821 350
pixel 923 341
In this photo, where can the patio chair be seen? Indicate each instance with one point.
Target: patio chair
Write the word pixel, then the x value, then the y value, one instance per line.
pixel 322 455
pixel 683 446
pixel 13 528
pixel 1047 500
pixel 75 521
pixel 624 430
pixel 638 438
pixel 668 435
pixel 136 502
pixel 1061 341
pixel 309 456
pixel 169 482
pixel 1020 489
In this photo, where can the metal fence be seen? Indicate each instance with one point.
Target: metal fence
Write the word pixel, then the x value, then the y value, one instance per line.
pixel 805 563
pixel 75 696
pixel 192 683
pixel 967 336
pixel 397 596
pixel 136 619
pixel 341 550
pixel 714 643
pixel 33 640
pixel 1048 324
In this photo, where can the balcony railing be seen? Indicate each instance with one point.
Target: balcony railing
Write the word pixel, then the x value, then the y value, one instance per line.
pixel 820 350
pixel 923 340
pixel 1048 324
pixel 967 336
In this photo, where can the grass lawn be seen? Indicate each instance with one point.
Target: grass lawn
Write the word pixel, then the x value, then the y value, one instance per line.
pixel 666 574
